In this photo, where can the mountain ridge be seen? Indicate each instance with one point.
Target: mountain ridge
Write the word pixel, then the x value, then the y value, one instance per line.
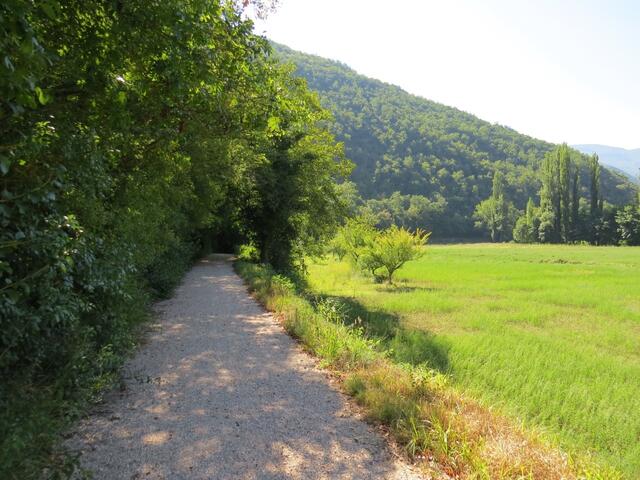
pixel 626 160
pixel 430 162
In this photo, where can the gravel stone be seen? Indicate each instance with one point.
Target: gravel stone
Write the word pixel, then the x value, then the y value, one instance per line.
pixel 220 391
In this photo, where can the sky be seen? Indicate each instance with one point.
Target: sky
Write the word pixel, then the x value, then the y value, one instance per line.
pixel 563 71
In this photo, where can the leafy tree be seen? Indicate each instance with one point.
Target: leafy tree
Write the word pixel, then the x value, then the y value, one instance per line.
pixel 575 205
pixel 565 188
pixel 496 214
pixel 391 249
pixel 559 197
pixel 134 137
pixel 526 228
pixel 595 172
pixel 550 210
pixel 353 238
pixel 409 211
pixel 628 223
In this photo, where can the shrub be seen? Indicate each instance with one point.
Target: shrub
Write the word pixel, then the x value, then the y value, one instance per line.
pixel 391 249
pixel 248 253
pixel 353 239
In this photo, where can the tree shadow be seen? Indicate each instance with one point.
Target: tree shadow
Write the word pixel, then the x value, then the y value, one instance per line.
pixel 413 347
pixel 406 289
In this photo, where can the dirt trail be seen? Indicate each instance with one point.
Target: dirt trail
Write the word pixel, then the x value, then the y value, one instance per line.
pixel 220 391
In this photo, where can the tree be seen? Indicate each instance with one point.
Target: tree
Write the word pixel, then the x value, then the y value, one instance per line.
pixel 134 137
pixel 391 249
pixel 354 237
pixel 549 200
pixel 628 222
pixel 596 204
pixel 496 214
pixel 594 174
pixel 575 204
pixel 564 194
pixel 559 197
pixel 526 229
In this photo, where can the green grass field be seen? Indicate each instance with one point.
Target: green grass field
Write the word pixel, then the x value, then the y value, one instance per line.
pixel 549 334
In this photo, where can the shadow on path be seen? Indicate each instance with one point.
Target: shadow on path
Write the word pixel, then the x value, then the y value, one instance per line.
pixel 220 391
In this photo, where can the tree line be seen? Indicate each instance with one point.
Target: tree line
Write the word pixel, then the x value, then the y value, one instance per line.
pixel 134 137
pixel 564 214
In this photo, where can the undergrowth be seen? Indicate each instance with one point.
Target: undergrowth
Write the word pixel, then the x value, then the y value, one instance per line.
pixel 441 429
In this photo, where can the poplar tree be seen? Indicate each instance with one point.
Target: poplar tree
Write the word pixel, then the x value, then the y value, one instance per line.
pixel 496 214
pixel 564 193
pixel 549 200
pixel 526 229
pixel 594 167
pixel 575 203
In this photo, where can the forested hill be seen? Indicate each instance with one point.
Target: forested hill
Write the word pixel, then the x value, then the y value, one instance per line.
pixel 424 163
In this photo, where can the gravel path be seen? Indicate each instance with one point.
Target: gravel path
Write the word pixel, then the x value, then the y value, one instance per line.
pixel 220 391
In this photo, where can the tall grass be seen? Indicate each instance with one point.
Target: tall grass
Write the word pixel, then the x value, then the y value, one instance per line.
pixel 385 369
pixel 548 334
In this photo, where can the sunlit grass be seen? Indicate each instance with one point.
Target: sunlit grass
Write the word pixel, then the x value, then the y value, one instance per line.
pixel 551 334
pixel 449 434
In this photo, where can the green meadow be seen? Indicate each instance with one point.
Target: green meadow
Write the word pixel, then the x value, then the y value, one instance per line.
pixel 549 335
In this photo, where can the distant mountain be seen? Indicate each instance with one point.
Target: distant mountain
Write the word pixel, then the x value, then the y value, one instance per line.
pixel 627 161
pixel 633 179
pixel 431 162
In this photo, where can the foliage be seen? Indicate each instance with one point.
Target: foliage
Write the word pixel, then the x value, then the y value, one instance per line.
pixel 628 221
pixel 527 226
pixel 248 253
pixel 353 238
pixel 391 249
pixel 378 253
pixel 133 137
pixel 564 216
pixel 408 211
pixel 496 214
pixel 420 164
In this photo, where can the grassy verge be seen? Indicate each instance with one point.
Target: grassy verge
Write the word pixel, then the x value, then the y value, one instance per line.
pixel 442 429
pixel 36 414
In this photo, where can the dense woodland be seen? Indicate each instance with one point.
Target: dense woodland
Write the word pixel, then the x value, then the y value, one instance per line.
pixel 422 164
pixel 134 136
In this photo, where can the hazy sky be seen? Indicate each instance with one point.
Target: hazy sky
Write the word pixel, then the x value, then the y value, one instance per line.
pixel 560 70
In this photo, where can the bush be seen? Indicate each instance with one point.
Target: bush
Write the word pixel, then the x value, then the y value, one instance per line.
pixel 353 239
pixel 248 253
pixel 390 250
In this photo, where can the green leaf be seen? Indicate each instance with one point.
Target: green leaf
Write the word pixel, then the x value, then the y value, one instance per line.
pixel 43 98
pixel 48 9
pixel 273 124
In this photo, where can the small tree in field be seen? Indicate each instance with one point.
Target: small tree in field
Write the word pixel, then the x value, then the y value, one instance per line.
pixel 391 250
pixel 353 238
